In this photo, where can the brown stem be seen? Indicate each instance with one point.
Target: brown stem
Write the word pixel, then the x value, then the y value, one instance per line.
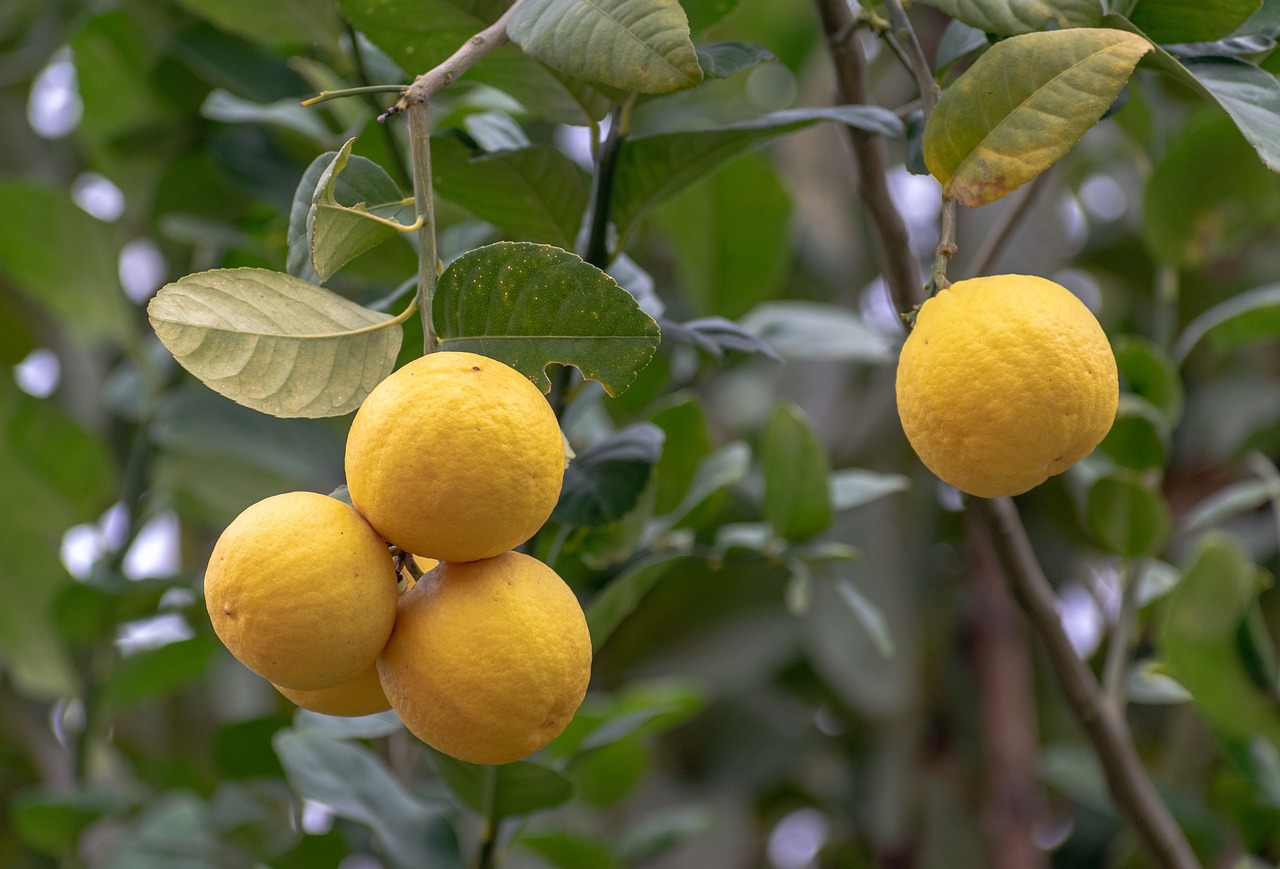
pixel 905 34
pixel 1012 800
pixel 1127 778
pixel 901 274
pixel 470 53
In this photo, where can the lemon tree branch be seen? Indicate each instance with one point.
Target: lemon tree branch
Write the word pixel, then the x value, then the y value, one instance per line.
pixel 1127 778
pixel 870 157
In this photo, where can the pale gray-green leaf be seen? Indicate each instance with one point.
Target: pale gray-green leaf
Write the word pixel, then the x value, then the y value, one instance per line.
pixel 816 331
pixel 723 59
pixel 275 343
pixel 340 233
pixel 1011 17
pixel 634 45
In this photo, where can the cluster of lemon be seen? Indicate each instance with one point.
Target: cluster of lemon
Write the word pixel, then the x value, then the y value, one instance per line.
pixel 458 459
pixel 1004 382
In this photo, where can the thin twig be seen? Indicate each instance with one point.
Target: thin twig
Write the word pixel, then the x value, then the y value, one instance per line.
pixel 424 205
pixel 905 35
pixel 946 246
pixel 475 48
pixel 901 273
pixel 1010 220
pixel 1127 778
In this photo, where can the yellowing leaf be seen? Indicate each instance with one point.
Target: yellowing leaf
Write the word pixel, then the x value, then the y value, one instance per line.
pixel 1011 17
pixel 275 343
pixel 1022 106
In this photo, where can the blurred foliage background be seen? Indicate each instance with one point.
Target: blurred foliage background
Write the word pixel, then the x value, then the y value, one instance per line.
pixel 801 658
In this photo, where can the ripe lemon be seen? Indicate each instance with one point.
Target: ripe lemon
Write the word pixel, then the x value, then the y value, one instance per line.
pixel 301 590
pixel 489 659
pixel 455 456
pixel 1004 382
pixel 362 695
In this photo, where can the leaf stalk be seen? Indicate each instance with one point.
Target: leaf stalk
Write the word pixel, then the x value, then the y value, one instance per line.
pixel 424 206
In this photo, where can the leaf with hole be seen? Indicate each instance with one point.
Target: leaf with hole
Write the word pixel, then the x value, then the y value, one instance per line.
pixel 1022 106
pixel 340 233
pixel 274 343
pixel 632 45
pixel 531 305
pixel 1012 17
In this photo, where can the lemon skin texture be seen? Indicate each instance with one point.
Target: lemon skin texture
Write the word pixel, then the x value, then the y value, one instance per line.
pixel 301 591
pixel 1004 382
pixel 455 456
pixel 362 695
pixel 489 659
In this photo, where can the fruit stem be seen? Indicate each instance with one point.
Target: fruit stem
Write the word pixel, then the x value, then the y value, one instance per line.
pixel 424 202
pixel 946 246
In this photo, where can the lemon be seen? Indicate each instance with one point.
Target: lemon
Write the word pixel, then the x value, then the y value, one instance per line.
pixel 1004 382
pixel 455 456
pixel 362 695
pixel 301 591
pixel 489 659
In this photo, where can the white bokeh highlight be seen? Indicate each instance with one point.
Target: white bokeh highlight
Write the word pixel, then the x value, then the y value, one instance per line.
pixel 54 107
pixel 39 373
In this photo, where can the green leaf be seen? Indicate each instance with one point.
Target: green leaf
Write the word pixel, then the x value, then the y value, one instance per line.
pixel 517 788
pixel 687 442
pixel 1022 106
pixel 355 784
pixel 1191 215
pixel 1127 518
pixel 228 108
pixel 723 59
pixel 604 482
pixel 1242 319
pixel 797 501
pixel 958 40
pixel 662 831
pixel 340 233
pixel 52 821
pixel 297 21
pixel 1138 436
pixel 717 336
pixel 420 34
pixel 1148 372
pixel 534 194
pixel 1229 502
pixel 704 14
pixel 654 168
pixel 274 343
pixel 722 468
pixel 62 259
pixel 814 331
pixel 729 234
pixel 853 487
pixel 1251 96
pixel 632 45
pixel 152 673
pixel 622 595
pixel 1012 17
pixel 568 851
pixel 530 305
pixel 1198 640
pixel 1166 21
pixel 868 616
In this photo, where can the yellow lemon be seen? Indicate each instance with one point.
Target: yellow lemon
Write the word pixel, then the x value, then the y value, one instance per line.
pixel 1004 382
pixel 301 590
pixel 362 695
pixel 489 659
pixel 455 456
